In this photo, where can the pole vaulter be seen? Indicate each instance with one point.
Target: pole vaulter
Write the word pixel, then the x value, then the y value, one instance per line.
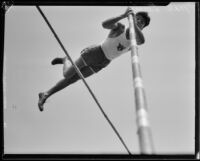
pixel 94 58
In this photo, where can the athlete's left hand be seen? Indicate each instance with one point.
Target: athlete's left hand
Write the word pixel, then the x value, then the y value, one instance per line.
pixel 128 11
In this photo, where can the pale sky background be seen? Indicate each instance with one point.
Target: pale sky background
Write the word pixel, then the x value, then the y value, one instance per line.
pixel 71 122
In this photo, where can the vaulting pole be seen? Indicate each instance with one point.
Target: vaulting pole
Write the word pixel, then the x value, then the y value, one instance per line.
pixel 144 133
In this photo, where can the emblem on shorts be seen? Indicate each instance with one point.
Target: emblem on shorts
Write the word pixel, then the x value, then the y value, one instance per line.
pixel 120 47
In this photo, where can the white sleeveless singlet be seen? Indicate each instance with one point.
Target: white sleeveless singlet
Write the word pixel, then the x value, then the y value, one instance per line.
pixel 114 47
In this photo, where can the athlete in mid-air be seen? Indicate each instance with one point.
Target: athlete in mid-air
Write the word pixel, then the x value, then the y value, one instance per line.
pixel 93 58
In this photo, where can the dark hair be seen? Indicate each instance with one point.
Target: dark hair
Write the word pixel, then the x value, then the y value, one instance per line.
pixel 145 16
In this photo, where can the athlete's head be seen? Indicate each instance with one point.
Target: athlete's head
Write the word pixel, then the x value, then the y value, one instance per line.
pixel 143 19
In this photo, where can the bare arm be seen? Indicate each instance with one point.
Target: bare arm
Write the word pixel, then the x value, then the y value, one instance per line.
pixel 139 35
pixel 112 23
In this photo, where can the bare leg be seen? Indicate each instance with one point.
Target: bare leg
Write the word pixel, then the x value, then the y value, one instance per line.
pixel 68 72
pixel 70 76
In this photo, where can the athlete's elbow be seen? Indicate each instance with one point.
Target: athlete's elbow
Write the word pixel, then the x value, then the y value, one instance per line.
pixel 141 41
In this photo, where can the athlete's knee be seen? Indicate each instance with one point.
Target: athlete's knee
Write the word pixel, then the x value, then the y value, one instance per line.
pixel 64 74
pixel 68 73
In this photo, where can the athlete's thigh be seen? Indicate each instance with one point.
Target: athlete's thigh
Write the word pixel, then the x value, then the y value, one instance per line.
pixel 70 71
pixel 85 71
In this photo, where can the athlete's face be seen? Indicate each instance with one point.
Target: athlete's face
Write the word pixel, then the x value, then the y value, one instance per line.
pixel 140 21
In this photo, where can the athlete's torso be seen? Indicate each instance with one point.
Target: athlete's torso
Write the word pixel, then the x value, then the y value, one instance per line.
pixel 116 44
